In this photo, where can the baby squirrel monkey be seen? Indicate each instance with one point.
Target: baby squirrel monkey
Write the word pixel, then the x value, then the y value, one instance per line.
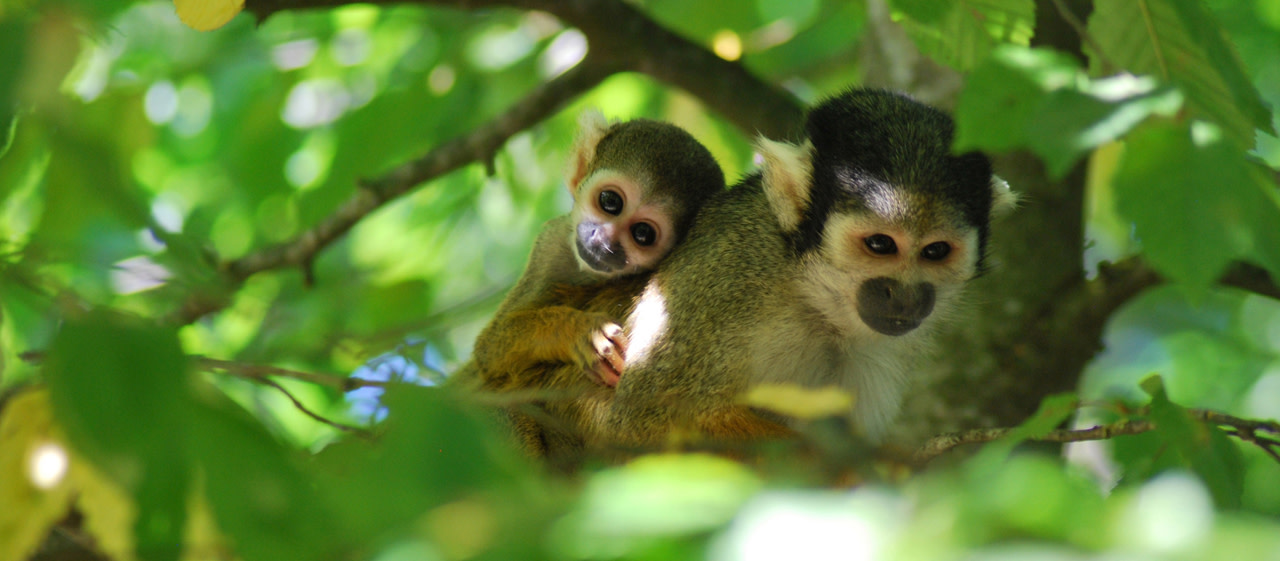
pixel 832 267
pixel 636 187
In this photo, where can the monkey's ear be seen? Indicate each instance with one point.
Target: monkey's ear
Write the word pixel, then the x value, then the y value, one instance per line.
pixel 592 126
pixel 1003 199
pixel 788 173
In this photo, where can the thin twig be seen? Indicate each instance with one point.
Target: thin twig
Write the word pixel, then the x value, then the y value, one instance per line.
pixel 1244 429
pixel 261 371
pixel 364 433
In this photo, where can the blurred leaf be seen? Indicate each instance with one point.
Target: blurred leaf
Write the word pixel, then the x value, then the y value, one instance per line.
pixel 800 402
pixel 434 451
pixel 1204 447
pixel 1031 495
pixel 1196 206
pixel 387 131
pixel 258 493
pixel 13 52
pixel 1211 370
pixel 91 211
pixel 798 13
pixel 1005 94
pixel 1180 42
pixel 119 389
pixel 109 512
pixel 391 305
pixel 1038 99
pixel 968 30
pixel 26 424
pixel 700 21
pixel 927 12
pixel 21 168
pixel 653 499
pixel 207 15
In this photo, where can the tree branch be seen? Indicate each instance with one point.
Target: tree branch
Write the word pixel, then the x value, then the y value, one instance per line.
pixel 371 194
pixel 361 432
pixel 1248 430
pixel 621 39
pixel 621 34
pixel 261 371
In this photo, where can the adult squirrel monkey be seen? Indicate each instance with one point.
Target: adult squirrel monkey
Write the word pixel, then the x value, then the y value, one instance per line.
pixel 832 267
pixel 636 186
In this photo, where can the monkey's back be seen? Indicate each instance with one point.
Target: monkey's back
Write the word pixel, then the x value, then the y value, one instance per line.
pixel 720 281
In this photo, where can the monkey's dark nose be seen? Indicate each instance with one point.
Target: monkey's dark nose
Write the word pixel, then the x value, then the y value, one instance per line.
pixel 892 308
pixel 597 250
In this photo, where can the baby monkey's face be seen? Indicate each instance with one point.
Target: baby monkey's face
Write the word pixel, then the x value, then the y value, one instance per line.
pixel 619 229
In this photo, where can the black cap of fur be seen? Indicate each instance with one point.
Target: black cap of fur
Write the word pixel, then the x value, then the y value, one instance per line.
pixel 867 139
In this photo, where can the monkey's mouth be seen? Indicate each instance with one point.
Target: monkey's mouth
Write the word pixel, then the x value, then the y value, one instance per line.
pixel 600 260
pixel 890 325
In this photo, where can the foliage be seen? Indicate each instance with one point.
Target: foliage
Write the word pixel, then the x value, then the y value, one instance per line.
pixel 138 157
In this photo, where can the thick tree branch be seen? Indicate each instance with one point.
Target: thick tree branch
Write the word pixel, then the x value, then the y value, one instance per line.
pixel 619 33
pixel 621 39
pixel 479 145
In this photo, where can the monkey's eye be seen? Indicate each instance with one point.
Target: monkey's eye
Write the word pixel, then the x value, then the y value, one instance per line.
pixel 611 202
pixel 881 244
pixel 644 234
pixel 936 251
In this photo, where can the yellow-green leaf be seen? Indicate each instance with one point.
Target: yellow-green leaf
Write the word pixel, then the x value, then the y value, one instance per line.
pixel 30 508
pixel 800 402
pixel 207 15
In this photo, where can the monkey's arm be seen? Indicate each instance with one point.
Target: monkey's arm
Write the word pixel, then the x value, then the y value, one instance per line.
pixel 516 344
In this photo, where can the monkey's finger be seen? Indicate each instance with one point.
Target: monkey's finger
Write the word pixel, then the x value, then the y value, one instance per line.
pixel 621 342
pixel 606 374
pixel 615 358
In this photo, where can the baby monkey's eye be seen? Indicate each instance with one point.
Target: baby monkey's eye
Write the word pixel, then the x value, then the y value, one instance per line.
pixel 644 234
pixel 881 244
pixel 611 202
pixel 936 251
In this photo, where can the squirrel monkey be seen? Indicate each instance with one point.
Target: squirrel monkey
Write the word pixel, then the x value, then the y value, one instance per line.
pixel 636 187
pixel 832 267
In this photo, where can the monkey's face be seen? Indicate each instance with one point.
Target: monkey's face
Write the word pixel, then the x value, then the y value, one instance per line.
pixel 618 230
pixel 891 272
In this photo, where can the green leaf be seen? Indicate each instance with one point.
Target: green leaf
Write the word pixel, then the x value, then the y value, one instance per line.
pixel 1203 447
pixel 1196 205
pixel 1030 494
pixel 91 209
pixel 119 389
pixel 260 496
pixel 434 451
pixel 1004 95
pixel 968 29
pixel 799 13
pixel 1070 124
pixel 13 45
pixel 21 168
pixel 1039 99
pixel 628 509
pixel 1180 42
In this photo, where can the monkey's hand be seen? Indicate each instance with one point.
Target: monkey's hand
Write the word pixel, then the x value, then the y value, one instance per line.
pixel 607 354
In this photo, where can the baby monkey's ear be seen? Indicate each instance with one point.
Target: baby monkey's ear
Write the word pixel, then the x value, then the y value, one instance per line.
pixel 787 173
pixel 1003 199
pixel 592 127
